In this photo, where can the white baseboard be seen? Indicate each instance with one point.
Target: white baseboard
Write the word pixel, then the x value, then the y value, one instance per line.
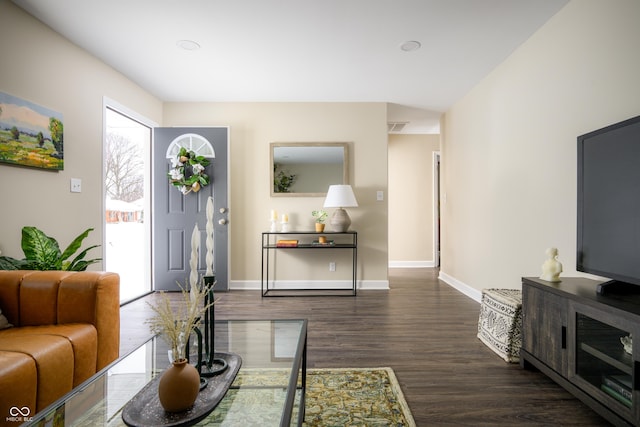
pixel 379 285
pixel 411 264
pixel 472 293
pixel 253 285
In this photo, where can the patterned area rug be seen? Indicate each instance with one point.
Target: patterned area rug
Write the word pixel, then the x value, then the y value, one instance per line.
pixel 335 397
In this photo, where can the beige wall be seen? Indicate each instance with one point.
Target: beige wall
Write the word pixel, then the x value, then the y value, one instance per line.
pixel 411 207
pixel 509 150
pixel 253 126
pixel 46 69
pixel 40 66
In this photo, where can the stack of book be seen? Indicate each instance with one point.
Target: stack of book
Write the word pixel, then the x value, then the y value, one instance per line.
pixel 619 387
pixel 287 243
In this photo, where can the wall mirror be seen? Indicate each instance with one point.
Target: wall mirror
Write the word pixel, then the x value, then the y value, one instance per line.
pixel 307 168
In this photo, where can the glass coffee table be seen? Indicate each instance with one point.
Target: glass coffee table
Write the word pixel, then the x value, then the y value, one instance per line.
pixel 269 389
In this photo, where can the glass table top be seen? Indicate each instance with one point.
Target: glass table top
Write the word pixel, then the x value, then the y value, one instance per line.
pixel 268 390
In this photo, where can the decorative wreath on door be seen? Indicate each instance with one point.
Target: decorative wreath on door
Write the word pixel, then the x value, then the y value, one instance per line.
pixel 188 180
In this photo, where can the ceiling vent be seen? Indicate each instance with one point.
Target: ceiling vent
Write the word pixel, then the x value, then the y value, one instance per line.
pixel 393 127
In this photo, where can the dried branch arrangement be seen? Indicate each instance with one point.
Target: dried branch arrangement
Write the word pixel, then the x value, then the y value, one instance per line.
pixel 175 326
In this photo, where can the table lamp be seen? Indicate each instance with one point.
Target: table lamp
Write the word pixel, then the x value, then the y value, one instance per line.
pixel 340 196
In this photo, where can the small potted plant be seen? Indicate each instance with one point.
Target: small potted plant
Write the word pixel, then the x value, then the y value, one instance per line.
pixel 320 216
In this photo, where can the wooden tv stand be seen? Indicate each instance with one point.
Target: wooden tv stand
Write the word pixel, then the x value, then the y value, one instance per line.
pixel 572 335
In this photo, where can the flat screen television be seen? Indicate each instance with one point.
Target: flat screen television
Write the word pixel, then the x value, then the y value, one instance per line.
pixel 608 240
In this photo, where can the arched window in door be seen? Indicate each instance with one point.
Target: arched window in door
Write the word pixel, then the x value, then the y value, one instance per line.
pixel 192 142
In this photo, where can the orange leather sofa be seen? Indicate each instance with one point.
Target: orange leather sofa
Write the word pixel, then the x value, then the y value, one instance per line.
pixel 66 327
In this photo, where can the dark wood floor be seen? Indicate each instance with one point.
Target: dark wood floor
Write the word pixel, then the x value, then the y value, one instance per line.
pixel 426 331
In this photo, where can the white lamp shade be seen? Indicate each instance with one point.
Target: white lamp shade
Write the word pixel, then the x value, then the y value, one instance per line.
pixel 340 196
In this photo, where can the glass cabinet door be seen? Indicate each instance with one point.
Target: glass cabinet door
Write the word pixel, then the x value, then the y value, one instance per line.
pixel 601 358
pixel 603 361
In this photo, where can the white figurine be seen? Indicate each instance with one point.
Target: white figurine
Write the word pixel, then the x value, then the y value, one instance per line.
pixel 551 268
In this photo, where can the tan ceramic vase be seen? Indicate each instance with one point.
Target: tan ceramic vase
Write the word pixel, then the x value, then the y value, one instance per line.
pixel 179 387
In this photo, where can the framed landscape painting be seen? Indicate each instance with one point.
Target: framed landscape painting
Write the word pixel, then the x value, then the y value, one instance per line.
pixel 30 135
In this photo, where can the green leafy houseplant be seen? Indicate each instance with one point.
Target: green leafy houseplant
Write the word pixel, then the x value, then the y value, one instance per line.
pixel 282 181
pixel 320 216
pixel 43 253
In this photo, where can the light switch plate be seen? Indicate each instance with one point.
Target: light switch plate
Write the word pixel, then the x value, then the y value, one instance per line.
pixel 380 196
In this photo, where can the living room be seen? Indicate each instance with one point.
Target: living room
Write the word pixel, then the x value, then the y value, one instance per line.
pixel 508 146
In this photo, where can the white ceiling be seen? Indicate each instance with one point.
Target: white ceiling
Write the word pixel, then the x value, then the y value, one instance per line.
pixel 303 50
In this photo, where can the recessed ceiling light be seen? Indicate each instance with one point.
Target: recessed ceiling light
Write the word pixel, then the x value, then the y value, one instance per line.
pixel 187 45
pixel 410 46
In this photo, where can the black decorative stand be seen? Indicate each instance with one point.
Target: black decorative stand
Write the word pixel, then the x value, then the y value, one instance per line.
pixel 211 365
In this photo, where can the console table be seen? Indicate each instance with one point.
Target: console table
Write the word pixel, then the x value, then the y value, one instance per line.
pixel 270 244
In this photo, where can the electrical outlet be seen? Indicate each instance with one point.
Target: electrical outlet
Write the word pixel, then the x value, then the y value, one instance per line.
pixel 380 196
pixel 76 185
pixel 332 266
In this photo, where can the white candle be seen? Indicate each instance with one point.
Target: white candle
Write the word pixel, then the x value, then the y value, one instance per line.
pixel 274 215
pixel 285 218
pixel 209 240
pixel 193 262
